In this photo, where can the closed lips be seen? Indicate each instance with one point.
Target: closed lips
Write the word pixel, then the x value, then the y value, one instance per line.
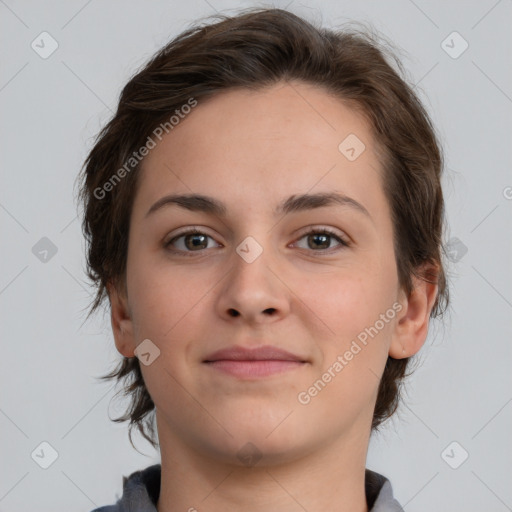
pixel 265 353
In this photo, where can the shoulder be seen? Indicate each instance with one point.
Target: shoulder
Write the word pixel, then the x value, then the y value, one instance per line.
pixel 379 493
pixel 140 492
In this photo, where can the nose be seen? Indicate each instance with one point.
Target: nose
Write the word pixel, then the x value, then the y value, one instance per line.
pixel 254 292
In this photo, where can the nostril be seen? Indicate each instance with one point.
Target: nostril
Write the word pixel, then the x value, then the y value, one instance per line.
pixel 234 313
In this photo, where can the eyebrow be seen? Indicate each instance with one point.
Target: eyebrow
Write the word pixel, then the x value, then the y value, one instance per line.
pixel 295 203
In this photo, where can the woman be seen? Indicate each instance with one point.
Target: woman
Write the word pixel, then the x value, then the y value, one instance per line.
pixel 264 213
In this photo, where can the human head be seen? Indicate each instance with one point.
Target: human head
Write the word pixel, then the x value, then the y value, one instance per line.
pixel 255 50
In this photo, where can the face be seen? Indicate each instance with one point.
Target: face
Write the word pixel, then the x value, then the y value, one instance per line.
pixel 261 271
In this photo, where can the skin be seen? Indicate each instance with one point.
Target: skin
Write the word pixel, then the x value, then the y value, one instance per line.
pixel 252 150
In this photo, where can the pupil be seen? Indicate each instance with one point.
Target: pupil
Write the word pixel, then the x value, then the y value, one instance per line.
pixel 323 237
pixel 195 242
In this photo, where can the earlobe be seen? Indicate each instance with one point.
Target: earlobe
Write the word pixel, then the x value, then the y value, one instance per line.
pixel 122 325
pixel 411 328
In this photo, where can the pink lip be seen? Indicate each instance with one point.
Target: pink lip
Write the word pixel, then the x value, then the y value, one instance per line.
pixel 257 362
pixel 263 353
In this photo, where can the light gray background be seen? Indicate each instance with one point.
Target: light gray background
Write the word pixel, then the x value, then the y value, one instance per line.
pixel 51 110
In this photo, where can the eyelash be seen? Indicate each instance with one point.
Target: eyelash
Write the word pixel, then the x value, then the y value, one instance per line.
pixel 193 231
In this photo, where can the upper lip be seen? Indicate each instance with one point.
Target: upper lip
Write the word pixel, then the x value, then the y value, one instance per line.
pixel 264 353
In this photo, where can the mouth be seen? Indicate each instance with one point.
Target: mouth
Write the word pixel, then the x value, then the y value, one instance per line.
pixel 254 363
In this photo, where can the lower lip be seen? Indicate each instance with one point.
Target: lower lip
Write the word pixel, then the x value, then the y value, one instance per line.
pixel 254 368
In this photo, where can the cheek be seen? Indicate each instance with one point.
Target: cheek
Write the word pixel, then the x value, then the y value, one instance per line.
pixel 163 298
pixel 353 357
pixel 350 307
pixel 347 301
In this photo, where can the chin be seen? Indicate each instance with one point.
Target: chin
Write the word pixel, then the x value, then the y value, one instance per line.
pixel 247 451
pixel 258 443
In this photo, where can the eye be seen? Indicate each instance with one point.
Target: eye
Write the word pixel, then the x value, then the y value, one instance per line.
pixel 189 241
pixel 321 238
pixel 194 241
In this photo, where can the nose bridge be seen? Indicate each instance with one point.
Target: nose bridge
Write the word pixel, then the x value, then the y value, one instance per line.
pixel 252 289
pixel 251 261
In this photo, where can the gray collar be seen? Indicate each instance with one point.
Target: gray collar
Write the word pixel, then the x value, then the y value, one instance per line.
pixel 142 488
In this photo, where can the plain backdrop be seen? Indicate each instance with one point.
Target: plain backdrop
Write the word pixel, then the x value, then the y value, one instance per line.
pixel 450 446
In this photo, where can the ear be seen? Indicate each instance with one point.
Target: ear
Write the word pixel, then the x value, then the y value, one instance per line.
pixel 122 324
pixel 411 328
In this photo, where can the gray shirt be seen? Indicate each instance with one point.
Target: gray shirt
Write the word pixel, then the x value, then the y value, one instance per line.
pixel 142 488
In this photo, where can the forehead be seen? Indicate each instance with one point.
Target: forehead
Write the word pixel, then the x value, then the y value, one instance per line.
pixel 260 145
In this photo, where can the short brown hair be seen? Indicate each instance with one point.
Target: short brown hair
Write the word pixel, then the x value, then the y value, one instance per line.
pixel 255 49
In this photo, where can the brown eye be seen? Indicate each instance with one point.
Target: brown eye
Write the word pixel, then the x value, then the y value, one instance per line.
pixel 195 241
pixel 187 242
pixel 320 240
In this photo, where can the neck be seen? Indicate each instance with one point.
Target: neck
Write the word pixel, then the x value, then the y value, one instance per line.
pixel 332 477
